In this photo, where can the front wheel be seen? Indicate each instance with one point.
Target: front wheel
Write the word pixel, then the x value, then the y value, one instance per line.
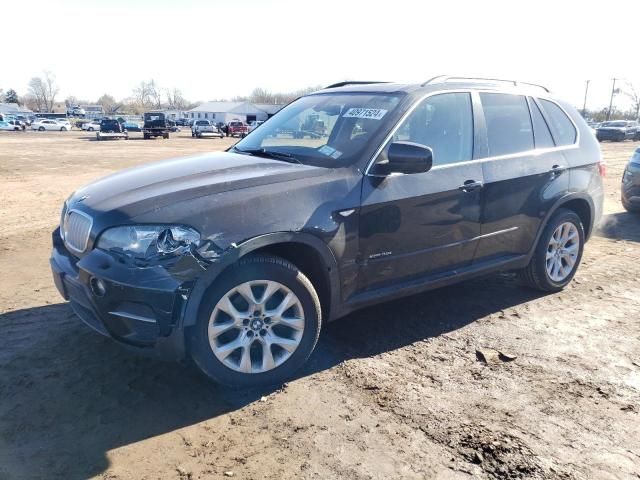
pixel 63 129
pixel 41 129
pixel 258 323
pixel 558 253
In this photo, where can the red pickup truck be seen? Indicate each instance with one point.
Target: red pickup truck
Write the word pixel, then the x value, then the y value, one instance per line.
pixel 236 128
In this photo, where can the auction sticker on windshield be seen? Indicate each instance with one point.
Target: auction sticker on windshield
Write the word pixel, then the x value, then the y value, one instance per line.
pixel 372 113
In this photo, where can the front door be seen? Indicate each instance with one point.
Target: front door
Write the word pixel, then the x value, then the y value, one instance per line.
pixel 415 225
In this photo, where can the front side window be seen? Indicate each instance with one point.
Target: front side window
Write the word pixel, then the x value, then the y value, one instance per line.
pixel 561 127
pixel 325 129
pixel 508 123
pixel 443 122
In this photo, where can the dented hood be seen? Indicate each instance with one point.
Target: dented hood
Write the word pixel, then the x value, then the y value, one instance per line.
pixel 153 186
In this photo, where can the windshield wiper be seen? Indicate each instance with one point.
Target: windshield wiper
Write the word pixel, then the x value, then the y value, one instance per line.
pixel 263 152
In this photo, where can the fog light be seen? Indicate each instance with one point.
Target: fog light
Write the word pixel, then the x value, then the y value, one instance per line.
pixel 98 288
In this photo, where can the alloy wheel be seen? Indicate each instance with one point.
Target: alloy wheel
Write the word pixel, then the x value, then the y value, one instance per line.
pixel 562 251
pixel 256 326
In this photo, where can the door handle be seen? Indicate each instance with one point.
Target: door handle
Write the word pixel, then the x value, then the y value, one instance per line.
pixel 557 170
pixel 470 185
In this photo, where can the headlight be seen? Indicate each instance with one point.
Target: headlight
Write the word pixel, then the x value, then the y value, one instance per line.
pixel 146 241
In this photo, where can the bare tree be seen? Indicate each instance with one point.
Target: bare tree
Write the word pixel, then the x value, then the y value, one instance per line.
pixel 261 95
pixel 175 100
pixel 44 90
pixel 71 101
pixel 155 94
pixel 109 103
pixel 147 94
pixel 634 95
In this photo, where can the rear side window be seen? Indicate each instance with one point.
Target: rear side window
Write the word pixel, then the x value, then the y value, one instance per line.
pixel 562 128
pixel 443 122
pixel 508 123
pixel 541 131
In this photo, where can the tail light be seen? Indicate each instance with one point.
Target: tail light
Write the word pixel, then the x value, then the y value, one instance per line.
pixel 602 168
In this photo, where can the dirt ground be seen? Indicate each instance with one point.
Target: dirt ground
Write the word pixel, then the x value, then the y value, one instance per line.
pixel 396 391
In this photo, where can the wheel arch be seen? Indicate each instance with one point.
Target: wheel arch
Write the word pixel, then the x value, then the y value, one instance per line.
pixel 579 203
pixel 310 254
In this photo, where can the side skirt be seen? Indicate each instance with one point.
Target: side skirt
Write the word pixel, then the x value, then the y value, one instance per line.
pixel 430 282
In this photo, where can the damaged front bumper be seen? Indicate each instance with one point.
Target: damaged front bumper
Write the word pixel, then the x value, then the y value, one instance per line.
pixel 139 307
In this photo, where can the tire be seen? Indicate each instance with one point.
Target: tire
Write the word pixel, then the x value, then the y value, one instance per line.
pixel 63 129
pixel 165 136
pixel 628 207
pixel 145 136
pixel 90 129
pixel 41 129
pixel 306 309
pixel 536 274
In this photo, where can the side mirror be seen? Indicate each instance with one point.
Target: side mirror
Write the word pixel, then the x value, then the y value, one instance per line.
pixel 409 157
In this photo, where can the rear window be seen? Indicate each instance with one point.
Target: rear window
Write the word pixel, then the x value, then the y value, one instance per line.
pixel 508 123
pixel 202 122
pixel 541 131
pixel 562 128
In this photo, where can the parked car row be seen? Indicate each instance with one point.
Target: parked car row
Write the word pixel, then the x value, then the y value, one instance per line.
pixel 618 131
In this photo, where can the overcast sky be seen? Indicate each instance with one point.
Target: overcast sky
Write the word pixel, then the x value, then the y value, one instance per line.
pixel 218 49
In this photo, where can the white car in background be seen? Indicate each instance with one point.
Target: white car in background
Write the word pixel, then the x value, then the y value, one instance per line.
pixel 255 124
pixel 7 126
pixel 46 124
pixel 91 126
pixel 65 123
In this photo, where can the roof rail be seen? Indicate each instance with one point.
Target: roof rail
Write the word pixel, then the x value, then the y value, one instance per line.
pixel 343 84
pixel 449 78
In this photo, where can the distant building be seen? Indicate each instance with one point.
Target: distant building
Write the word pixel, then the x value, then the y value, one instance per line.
pixel 175 114
pixel 271 110
pixel 14 109
pixel 227 111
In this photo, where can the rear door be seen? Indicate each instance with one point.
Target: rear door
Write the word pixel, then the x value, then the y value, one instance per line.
pixel 426 223
pixel 524 175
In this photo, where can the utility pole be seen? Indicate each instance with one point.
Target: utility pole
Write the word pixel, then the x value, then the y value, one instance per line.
pixel 584 107
pixel 613 91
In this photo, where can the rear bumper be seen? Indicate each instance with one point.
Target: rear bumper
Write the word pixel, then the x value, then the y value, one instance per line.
pixel 139 308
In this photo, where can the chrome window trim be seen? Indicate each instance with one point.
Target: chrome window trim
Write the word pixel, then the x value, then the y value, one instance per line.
pixel 534 151
pixel 86 240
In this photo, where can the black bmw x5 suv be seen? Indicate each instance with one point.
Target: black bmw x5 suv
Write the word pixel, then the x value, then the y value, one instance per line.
pixel 236 259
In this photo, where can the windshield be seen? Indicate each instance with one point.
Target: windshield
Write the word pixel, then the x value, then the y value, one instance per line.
pixel 330 129
pixel 614 124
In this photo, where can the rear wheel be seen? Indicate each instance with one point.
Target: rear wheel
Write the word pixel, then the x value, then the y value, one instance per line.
pixel 558 253
pixel 90 129
pixel 63 129
pixel 41 129
pixel 258 323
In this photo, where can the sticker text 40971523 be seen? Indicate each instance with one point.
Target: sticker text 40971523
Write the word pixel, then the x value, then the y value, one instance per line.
pixel 371 113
